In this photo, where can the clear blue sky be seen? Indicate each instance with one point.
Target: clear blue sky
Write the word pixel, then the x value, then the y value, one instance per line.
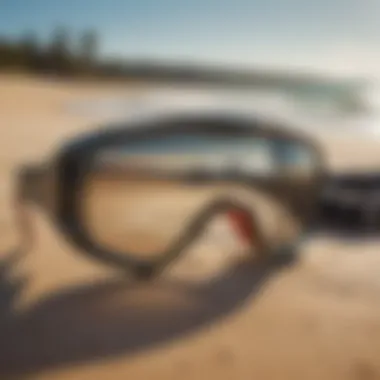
pixel 322 34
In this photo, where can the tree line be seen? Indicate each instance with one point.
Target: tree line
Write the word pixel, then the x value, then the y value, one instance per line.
pixel 61 54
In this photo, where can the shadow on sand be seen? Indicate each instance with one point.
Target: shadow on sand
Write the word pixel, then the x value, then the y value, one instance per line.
pixel 113 317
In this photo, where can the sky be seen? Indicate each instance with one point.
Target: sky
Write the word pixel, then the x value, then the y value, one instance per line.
pixel 337 36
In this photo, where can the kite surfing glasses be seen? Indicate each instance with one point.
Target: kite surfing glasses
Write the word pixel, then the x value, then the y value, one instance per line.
pixel 137 197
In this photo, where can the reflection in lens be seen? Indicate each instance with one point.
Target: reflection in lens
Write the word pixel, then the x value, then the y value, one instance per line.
pixel 140 198
pixel 144 217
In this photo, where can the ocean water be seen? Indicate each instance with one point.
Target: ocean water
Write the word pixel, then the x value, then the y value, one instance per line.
pixel 342 108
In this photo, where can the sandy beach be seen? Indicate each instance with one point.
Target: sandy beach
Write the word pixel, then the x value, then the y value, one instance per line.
pixel 64 316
